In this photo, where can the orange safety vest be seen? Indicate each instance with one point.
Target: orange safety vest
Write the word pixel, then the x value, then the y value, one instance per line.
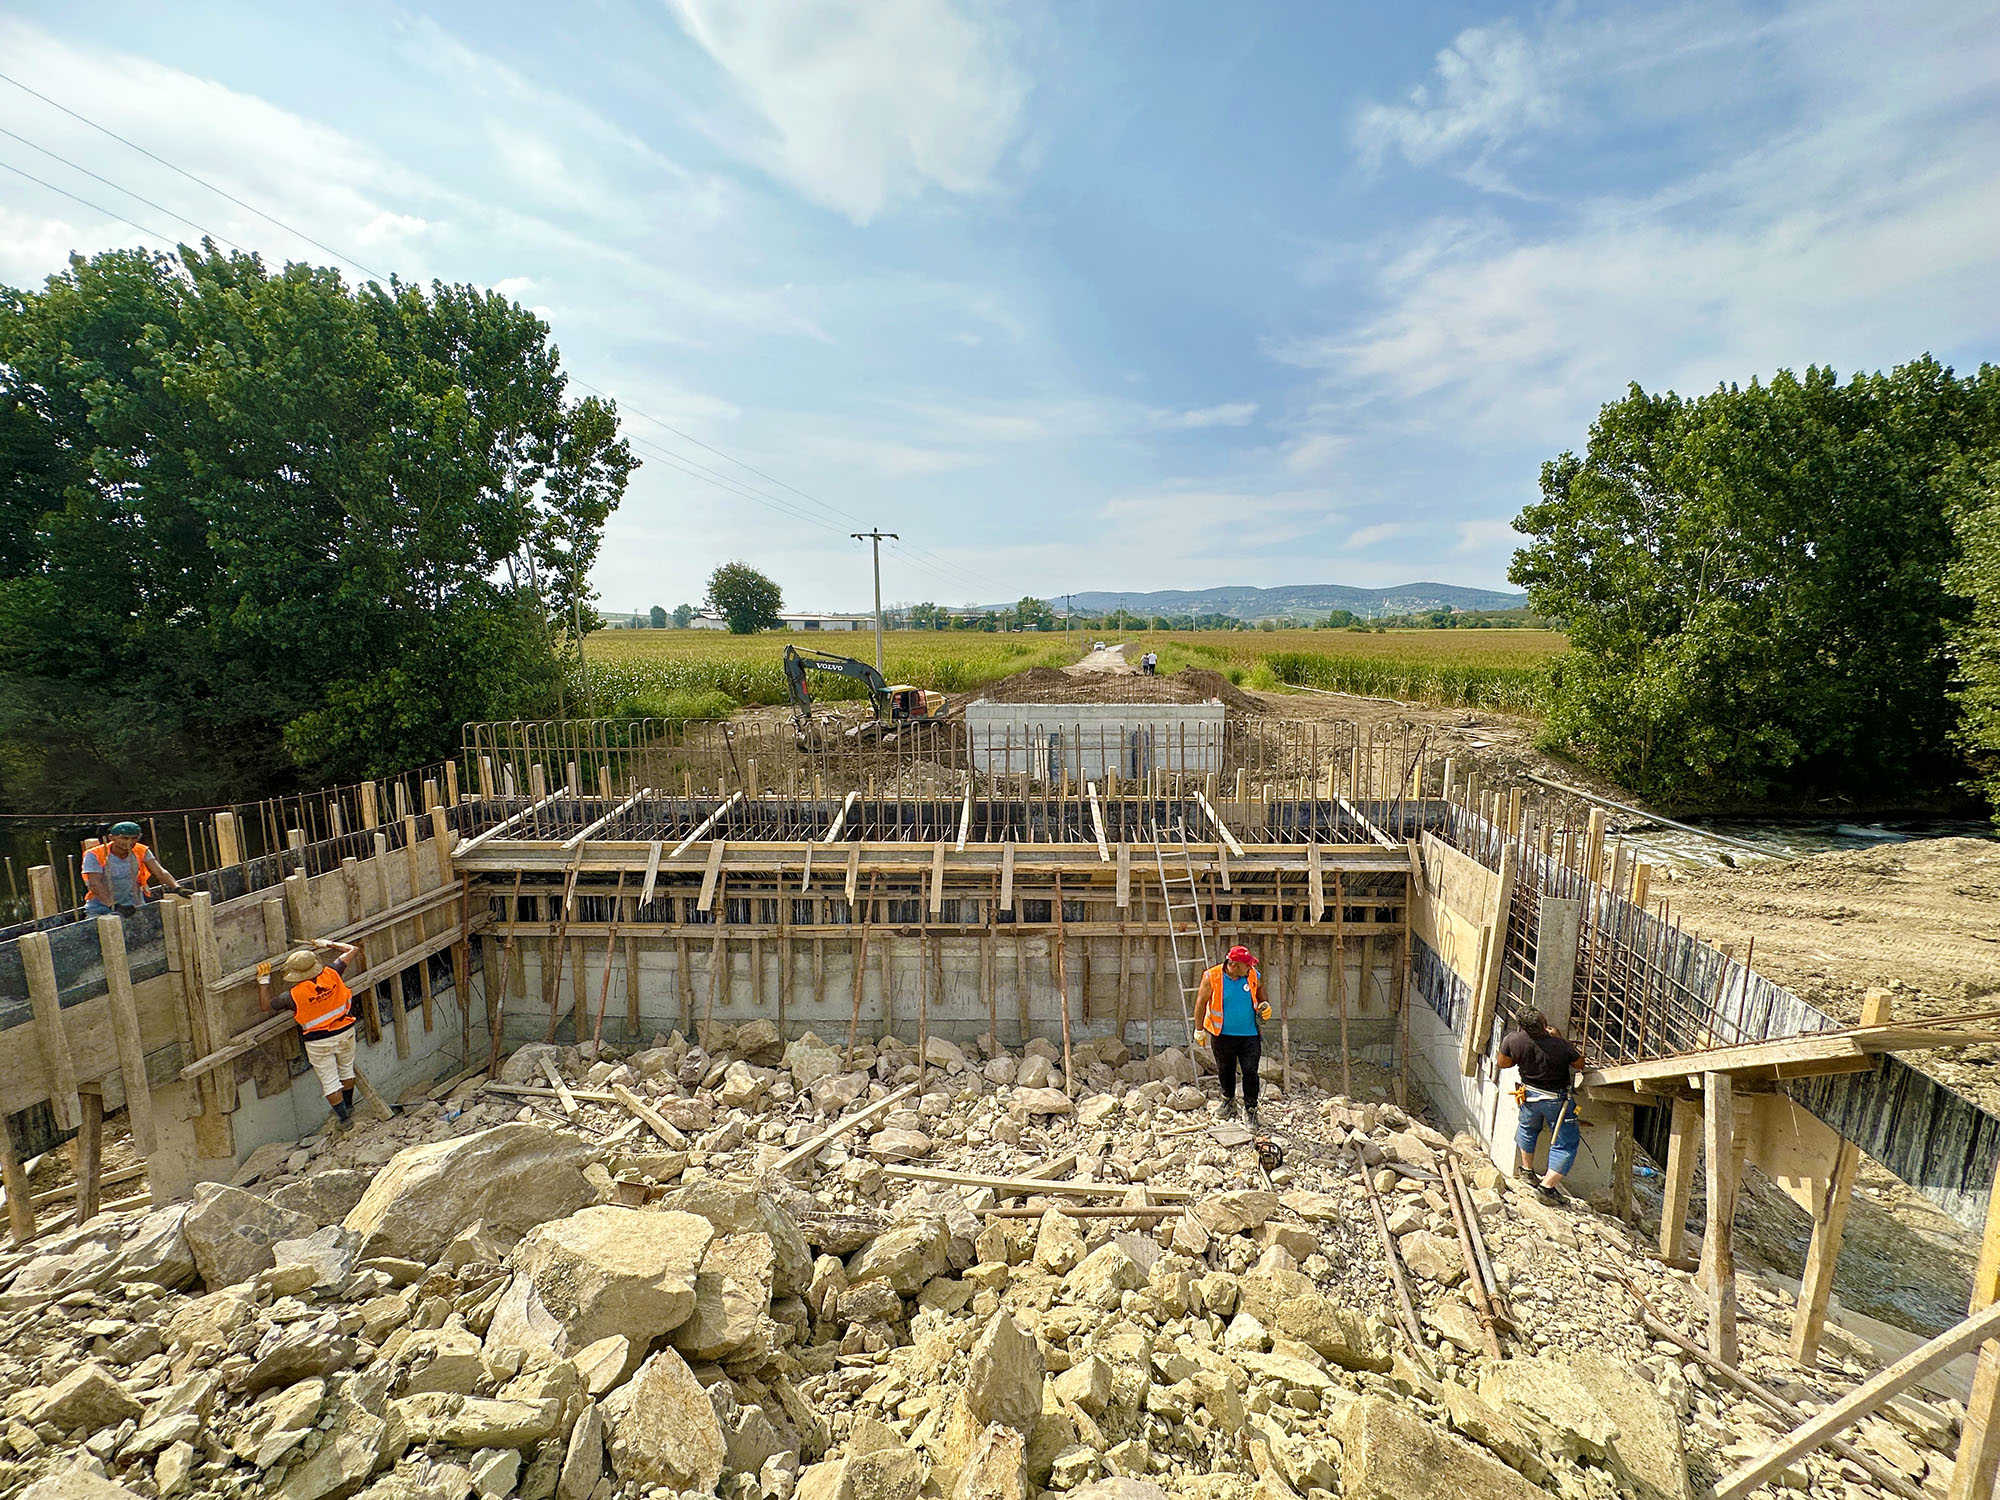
pixel 102 849
pixel 321 1003
pixel 1208 1011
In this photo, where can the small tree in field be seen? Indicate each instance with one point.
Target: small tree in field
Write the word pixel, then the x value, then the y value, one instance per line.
pixel 745 598
pixel 657 615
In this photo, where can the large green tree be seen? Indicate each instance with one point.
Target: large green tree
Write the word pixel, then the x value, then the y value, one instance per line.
pixel 257 527
pixel 745 598
pixel 1753 581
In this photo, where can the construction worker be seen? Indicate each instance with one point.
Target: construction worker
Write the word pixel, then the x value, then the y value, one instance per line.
pixel 118 873
pixel 317 996
pixel 1548 1067
pixel 1231 1004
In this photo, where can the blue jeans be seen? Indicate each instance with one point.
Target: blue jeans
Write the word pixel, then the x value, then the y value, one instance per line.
pixel 1539 1112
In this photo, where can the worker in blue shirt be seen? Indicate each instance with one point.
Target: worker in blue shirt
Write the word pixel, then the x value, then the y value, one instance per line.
pixel 1231 1004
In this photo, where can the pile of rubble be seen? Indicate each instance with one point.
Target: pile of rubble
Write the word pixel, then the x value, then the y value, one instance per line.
pixel 589 1278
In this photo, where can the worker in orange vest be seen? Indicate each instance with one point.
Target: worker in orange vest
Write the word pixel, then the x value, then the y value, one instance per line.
pixel 317 996
pixel 1230 1006
pixel 118 872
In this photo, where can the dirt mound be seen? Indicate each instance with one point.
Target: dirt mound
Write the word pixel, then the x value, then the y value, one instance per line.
pixel 1053 685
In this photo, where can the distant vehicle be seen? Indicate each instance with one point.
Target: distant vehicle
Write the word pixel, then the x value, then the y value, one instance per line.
pixel 898 707
pixel 1097 645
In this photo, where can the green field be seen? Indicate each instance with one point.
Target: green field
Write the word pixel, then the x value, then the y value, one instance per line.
pixel 703 673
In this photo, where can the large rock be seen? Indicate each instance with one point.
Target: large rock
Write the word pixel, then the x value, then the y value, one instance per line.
pixel 232 1233
pixel 583 1460
pixel 1058 1242
pixel 1591 1406
pixel 358 1445
pixel 732 1296
pixel 477 1421
pixel 1004 1380
pixel 662 1429
pixel 1236 1212
pixel 888 1472
pixel 76 1483
pixel 1389 1454
pixel 1433 1257
pixel 109 1249
pixel 601 1271
pixel 1333 1332
pixel 760 1041
pixel 1104 1276
pixel 906 1256
pixel 1120 1488
pixel 524 1064
pixel 735 1209
pixel 1028 1103
pixel 997 1468
pixel 88 1397
pixel 810 1060
pixel 512 1176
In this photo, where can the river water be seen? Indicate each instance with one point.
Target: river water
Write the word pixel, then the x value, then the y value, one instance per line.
pixel 1790 838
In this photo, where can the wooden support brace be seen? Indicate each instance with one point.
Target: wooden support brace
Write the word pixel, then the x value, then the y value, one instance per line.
pixel 1677 1186
pixel 125 1032
pixel 51 1041
pixel 1717 1282
pixel 937 880
pixel 710 875
pixel 1124 873
pixel 89 1154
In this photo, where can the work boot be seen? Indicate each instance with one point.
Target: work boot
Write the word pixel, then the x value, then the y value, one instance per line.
pixel 1250 1115
pixel 1555 1197
pixel 344 1112
pixel 1228 1109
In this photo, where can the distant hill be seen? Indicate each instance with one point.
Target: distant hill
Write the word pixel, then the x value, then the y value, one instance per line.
pixel 1294 601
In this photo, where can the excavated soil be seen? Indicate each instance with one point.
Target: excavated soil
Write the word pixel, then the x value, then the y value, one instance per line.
pixel 1056 685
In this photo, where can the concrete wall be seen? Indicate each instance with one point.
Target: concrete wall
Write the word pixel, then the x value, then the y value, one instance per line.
pixel 1024 999
pixel 1087 740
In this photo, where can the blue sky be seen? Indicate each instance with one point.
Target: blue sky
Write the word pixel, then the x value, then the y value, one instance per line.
pixel 1075 295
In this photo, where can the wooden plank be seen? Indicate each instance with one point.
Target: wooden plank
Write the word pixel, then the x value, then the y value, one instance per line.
pixel 1868 1397
pixel 1222 831
pixel 590 828
pixel 839 822
pixel 701 830
pixel 14 1177
pixel 854 872
pixel 1024 1185
pixel 1315 886
pixel 1717 1284
pixel 1007 879
pixel 710 875
pixel 125 1031
pixel 58 1067
pixel 1677 1187
pixel 811 1148
pixel 563 1095
pixel 655 1121
pixel 42 898
pixel 1977 1465
pixel 652 871
pixel 498 830
pixel 965 815
pixel 1097 822
pixel 937 882
pixel 1124 873
pixel 89 1155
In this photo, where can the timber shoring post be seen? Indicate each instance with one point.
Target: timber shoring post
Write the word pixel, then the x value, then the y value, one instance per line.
pixel 1677 1183
pixel 604 988
pixel 14 1176
pixel 1062 990
pixel 860 971
pixel 1979 1445
pixel 718 968
pixel 1340 982
pixel 89 1153
pixel 552 985
pixel 125 1032
pixel 496 1003
pixel 1718 1258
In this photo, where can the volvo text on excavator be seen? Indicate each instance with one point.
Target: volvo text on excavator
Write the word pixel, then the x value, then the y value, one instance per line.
pixel 898 707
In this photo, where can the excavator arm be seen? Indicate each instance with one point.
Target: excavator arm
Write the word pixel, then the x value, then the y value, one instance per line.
pixel 798 663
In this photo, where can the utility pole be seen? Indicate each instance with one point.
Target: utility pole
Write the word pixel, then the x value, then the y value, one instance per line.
pixel 1066 599
pixel 877 538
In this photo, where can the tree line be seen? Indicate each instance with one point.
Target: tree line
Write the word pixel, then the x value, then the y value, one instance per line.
pixel 260 529
pixel 1786 591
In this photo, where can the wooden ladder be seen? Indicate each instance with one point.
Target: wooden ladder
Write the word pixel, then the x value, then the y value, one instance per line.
pixel 1189 947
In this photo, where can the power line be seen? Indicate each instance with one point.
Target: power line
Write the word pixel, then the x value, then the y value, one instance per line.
pixel 96 208
pixel 686 465
pixel 134 145
pixel 156 207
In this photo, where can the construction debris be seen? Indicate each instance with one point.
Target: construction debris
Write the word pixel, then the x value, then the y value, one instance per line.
pixel 511 1291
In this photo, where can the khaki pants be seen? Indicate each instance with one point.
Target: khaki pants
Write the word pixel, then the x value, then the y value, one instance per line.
pixel 332 1057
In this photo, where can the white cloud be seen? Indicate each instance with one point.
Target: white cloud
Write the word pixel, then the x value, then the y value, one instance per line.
pixel 1228 414
pixel 1487 536
pixel 862 102
pixel 1368 536
pixel 1491 84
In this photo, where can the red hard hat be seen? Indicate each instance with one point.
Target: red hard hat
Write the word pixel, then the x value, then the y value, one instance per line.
pixel 1240 955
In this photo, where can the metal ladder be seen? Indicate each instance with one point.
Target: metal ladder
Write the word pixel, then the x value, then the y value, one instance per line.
pixel 1175 933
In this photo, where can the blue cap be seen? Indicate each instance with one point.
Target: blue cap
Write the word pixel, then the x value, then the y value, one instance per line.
pixel 127 829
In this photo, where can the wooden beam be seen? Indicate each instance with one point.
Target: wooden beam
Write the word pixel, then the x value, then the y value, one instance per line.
pixel 818 1143
pixel 854 872
pixel 965 816
pixel 1221 829
pixel 51 1041
pixel 1025 1185
pixel 90 1155
pixel 655 1121
pixel 652 872
pixel 590 828
pixel 42 898
pixel 369 818
pixel 710 875
pixel 14 1177
pixel 1124 873
pixel 1097 822
pixel 1007 879
pixel 839 822
pixel 1868 1397
pixel 937 888
pixel 1677 1187
pixel 1718 1258
pixel 125 1032
pixel 1974 1470
pixel 1826 1047
pixel 1315 881
pixel 701 829
pixel 368 926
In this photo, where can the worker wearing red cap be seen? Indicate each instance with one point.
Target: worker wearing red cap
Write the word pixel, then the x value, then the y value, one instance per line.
pixel 1231 1004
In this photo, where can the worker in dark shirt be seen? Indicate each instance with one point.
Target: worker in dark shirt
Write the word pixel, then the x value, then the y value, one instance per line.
pixel 1548 1067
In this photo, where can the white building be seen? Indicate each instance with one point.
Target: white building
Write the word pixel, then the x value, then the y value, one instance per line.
pixel 828 622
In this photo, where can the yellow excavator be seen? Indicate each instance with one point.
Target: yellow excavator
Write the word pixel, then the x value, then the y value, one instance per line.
pixel 899 708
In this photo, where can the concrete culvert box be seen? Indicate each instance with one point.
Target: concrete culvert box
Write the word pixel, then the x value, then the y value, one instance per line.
pixel 1090 740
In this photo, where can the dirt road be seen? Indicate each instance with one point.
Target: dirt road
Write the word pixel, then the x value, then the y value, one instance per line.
pixel 1110 661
